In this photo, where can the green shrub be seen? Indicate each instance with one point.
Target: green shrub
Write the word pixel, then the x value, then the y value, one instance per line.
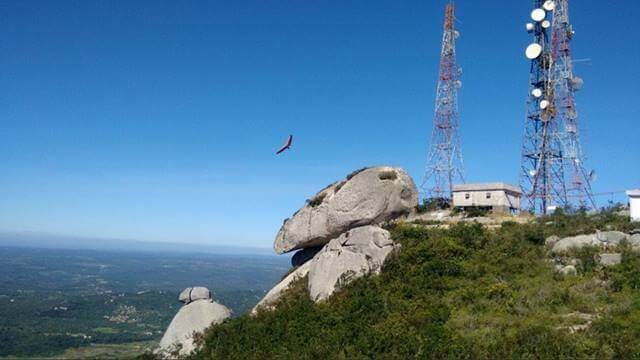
pixel 433 204
pixel 388 175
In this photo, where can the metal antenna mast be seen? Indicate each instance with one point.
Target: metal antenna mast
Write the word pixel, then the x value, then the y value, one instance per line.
pixel 542 166
pixel 444 162
pixel 579 183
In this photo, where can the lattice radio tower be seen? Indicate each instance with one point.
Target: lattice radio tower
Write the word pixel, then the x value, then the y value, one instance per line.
pixel 551 141
pixel 444 161
pixel 578 183
pixel 542 166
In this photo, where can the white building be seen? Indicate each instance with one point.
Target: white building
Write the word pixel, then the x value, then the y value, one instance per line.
pixel 634 204
pixel 498 197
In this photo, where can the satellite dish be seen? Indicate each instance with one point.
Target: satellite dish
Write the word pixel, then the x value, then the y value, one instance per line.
pixel 546 24
pixel 530 27
pixel 577 83
pixel 549 5
pixel 458 83
pixel 538 15
pixel 532 173
pixel 533 51
pixel 456 34
pixel 537 93
pixel 592 176
pixel 544 104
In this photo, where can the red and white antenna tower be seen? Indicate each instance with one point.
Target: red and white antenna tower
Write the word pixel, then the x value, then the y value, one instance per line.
pixel 444 162
pixel 578 184
pixel 542 165
pixel 551 143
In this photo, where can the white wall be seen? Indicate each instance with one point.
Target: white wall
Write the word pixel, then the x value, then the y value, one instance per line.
pixel 635 208
pixel 479 198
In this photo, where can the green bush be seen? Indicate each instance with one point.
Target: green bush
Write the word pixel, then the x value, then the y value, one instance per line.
pixel 433 204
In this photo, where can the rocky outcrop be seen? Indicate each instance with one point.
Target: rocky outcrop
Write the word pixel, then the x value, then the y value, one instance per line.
pixel 198 313
pixel 600 239
pixel 337 232
pixel 369 196
pixel 353 254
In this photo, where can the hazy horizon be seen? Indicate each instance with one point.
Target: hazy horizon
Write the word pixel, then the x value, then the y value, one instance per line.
pixel 58 241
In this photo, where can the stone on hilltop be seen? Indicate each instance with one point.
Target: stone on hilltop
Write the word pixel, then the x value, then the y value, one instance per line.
pixel 369 196
pixel 191 294
pixel 194 317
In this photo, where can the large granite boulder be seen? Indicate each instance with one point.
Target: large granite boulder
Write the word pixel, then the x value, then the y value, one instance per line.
pixel 272 297
pixel 369 196
pixel 600 239
pixel 193 318
pixel 355 253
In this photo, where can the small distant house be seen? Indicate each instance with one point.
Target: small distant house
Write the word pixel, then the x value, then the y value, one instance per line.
pixel 497 197
pixel 634 204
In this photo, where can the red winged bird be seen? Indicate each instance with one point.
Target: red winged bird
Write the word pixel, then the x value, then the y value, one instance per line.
pixel 286 146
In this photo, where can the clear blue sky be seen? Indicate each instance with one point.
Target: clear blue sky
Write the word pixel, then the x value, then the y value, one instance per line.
pixel 158 120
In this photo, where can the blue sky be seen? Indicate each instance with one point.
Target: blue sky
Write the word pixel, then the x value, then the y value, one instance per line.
pixel 158 120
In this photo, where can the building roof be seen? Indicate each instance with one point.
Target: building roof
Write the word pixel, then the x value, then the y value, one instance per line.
pixel 487 187
pixel 633 193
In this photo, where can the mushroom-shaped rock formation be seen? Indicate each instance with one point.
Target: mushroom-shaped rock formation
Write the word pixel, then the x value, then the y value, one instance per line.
pixel 198 313
pixel 368 196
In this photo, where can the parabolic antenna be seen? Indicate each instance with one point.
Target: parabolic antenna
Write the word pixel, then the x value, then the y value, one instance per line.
pixel 549 5
pixel 532 173
pixel 538 15
pixel 530 27
pixel 546 24
pixel 577 83
pixel 536 92
pixel 533 51
pixel 544 104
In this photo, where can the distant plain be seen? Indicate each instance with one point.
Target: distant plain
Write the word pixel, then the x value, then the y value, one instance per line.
pixel 114 302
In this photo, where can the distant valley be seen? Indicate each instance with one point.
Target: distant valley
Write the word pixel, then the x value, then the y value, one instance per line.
pixel 54 300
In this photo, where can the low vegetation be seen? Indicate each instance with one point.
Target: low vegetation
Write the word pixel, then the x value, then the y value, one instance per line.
pixel 464 293
pixel 433 204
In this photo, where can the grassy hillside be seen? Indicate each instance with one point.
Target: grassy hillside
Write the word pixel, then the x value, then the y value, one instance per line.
pixel 466 292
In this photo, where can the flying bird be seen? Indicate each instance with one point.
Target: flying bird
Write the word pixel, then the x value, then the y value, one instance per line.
pixel 286 145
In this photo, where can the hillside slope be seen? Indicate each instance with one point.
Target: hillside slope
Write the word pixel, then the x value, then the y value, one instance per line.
pixel 466 292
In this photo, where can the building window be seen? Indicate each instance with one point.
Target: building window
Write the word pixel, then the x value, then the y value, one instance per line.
pixel 467 196
pixel 488 195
